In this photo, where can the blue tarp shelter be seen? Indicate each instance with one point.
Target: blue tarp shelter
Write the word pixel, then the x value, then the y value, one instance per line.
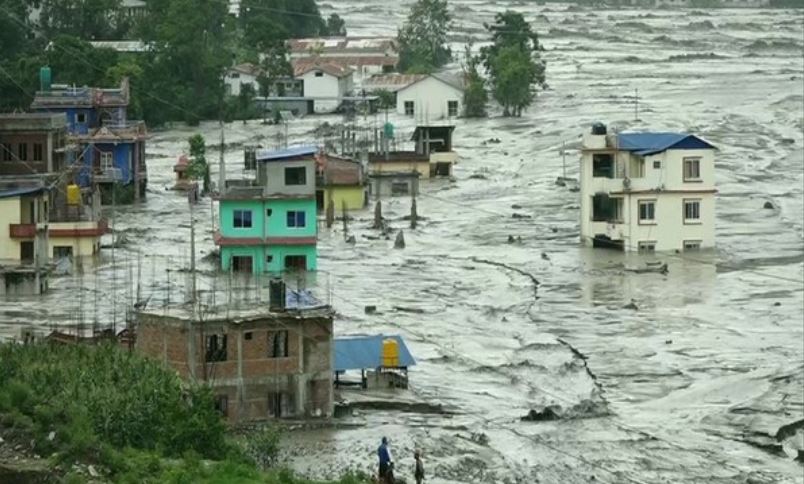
pixel 365 352
pixel 643 144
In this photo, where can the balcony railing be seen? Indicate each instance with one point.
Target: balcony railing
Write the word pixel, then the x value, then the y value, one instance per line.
pixel 22 231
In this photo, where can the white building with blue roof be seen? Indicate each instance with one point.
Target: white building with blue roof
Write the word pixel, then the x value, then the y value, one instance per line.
pixel 647 191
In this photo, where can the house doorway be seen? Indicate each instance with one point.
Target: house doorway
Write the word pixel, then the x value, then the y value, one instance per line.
pixel 242 263
pixel 319 199
pixel 296 262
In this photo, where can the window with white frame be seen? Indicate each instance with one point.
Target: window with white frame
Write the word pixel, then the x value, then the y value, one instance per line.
pixel 692 245
pixel 452 108
pixel 692 169
pixel 692 211
pixel 409 108
pixel 106 160
pixel 646 246
pixel 647 211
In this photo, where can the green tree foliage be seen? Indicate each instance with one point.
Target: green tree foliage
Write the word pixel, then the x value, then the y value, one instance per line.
pixel 199 168
pixel 245 102
pixel 423 37
pixel 87 19
pixel 513 62
pixel 281 19
pixel 475 96
pixel 336 26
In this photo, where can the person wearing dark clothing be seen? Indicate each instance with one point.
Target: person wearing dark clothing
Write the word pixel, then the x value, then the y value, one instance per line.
pixel 386 462
pixel 419 472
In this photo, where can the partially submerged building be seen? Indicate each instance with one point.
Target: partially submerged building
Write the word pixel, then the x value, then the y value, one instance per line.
pixel 32 143
pixel 432 154
pixel 425 97
pixel 340 182
pixel 111 147
pixel 647 191
pixel 326 84
pixel 259 364
pixel 24 257
pixel 269 224
pixel 365 56
pixel 383 361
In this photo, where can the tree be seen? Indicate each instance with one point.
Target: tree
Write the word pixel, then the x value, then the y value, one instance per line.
pixel 514 74
pixel 423 37
pixel 273 66
pixel 513 62
pixel 281 18
pixel 87 19
pixel 199 168
pixel 245 101
pixel 336 27
pixel 475 96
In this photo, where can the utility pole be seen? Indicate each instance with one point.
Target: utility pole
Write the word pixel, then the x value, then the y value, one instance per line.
pixel 114 266
pixel 636 104
pixel 221 166
pixel 191 320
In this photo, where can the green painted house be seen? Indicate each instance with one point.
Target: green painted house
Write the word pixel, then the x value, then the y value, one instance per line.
pixel 270 226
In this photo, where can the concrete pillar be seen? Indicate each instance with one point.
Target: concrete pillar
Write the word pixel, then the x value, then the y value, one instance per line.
pixel 49 155
pixel 241 390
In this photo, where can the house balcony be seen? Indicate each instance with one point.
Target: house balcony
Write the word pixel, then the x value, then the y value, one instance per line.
pixel 24 231
pixel 94 228
pixel 623 185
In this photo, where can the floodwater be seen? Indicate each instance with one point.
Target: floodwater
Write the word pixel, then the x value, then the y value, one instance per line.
pixel 691 383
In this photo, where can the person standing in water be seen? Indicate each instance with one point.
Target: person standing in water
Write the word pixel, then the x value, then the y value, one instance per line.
pixel 418 473
pixel 386 462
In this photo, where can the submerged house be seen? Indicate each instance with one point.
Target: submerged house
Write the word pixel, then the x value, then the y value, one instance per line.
pixel 383 361
pixel 111 147
pixel 325 84
pixel 34 143
pixel 432 154
pixel 340 182
pixel 269 224
pixel 647 191
pixel 425 97
pixel 23 239
pixel 258 363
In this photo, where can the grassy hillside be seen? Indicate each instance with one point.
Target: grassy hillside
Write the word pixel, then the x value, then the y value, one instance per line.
pixel 125 416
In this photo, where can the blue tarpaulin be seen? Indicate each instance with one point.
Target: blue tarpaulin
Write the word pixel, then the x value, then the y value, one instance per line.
pixel 643 144
pixel 365 352
pixel 301 299
pixel 290 152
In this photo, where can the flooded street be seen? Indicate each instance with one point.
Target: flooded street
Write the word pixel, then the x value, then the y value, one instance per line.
pixel 690 383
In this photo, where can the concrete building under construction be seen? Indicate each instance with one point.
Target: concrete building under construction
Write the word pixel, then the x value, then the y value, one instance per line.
pixel 259 363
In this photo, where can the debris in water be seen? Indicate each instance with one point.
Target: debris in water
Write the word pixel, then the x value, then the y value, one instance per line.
pixel 399 243
pixel 370 309
pixel 545 256
pixel 631 305
pixel 768 205
pixel 520 215
pixel 551 412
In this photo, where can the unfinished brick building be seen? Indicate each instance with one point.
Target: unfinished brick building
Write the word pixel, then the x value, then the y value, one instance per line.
pixel 259 364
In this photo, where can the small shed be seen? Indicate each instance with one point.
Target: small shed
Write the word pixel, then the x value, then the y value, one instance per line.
pixel 383 361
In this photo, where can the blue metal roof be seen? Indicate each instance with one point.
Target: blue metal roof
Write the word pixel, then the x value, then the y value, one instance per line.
pixel 17 192
pixel 650 143
pixel 364 352
pixel 290 152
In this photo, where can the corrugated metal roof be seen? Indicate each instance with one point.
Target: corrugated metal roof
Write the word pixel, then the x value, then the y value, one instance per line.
pixel 290 152
pixel 643 144
pixel 364 352
pixel 20 191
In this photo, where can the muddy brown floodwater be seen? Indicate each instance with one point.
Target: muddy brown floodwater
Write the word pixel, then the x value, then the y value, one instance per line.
pixel 691 386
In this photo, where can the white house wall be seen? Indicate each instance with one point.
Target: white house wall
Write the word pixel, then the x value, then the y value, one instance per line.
pixel 325 86
pixel 235 84
pixel 430 97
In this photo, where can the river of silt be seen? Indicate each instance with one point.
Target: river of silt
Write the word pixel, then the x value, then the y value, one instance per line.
pixel 683 377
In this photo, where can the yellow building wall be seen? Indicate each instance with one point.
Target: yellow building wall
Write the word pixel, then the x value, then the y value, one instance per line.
pixel 423 167
pixel 9 214
pixel 82 246
pixel 353 196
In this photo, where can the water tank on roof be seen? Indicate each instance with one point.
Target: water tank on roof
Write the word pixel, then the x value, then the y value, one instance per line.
pixel 73 195
pixel 390 353
pixel 45 78
pixel 598 129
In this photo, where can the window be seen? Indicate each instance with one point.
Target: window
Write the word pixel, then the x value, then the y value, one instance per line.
pixel 657 164
pixel 242 263
pixel 409 108
pixel 647 211
pixel 452 108
pixel 81 118
pixel 269 259
pixel 235 75
pixel 646 246
pixel 296 219
pixel 22 152
pixel 215 348
pixel 7 153
pixel 606 209
pixel 399 188
pixel 37 152
pixel 295 176
pixel 692 211
pixel 222 404
pixel 692 169
pixel 248 335
pixel 692 245
pixel 277 344
pixel 268 212
pixel 242 219
pixel 296 262
pixel 603 166
pixel 62 251
pixel 106 160
pixel 319 74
